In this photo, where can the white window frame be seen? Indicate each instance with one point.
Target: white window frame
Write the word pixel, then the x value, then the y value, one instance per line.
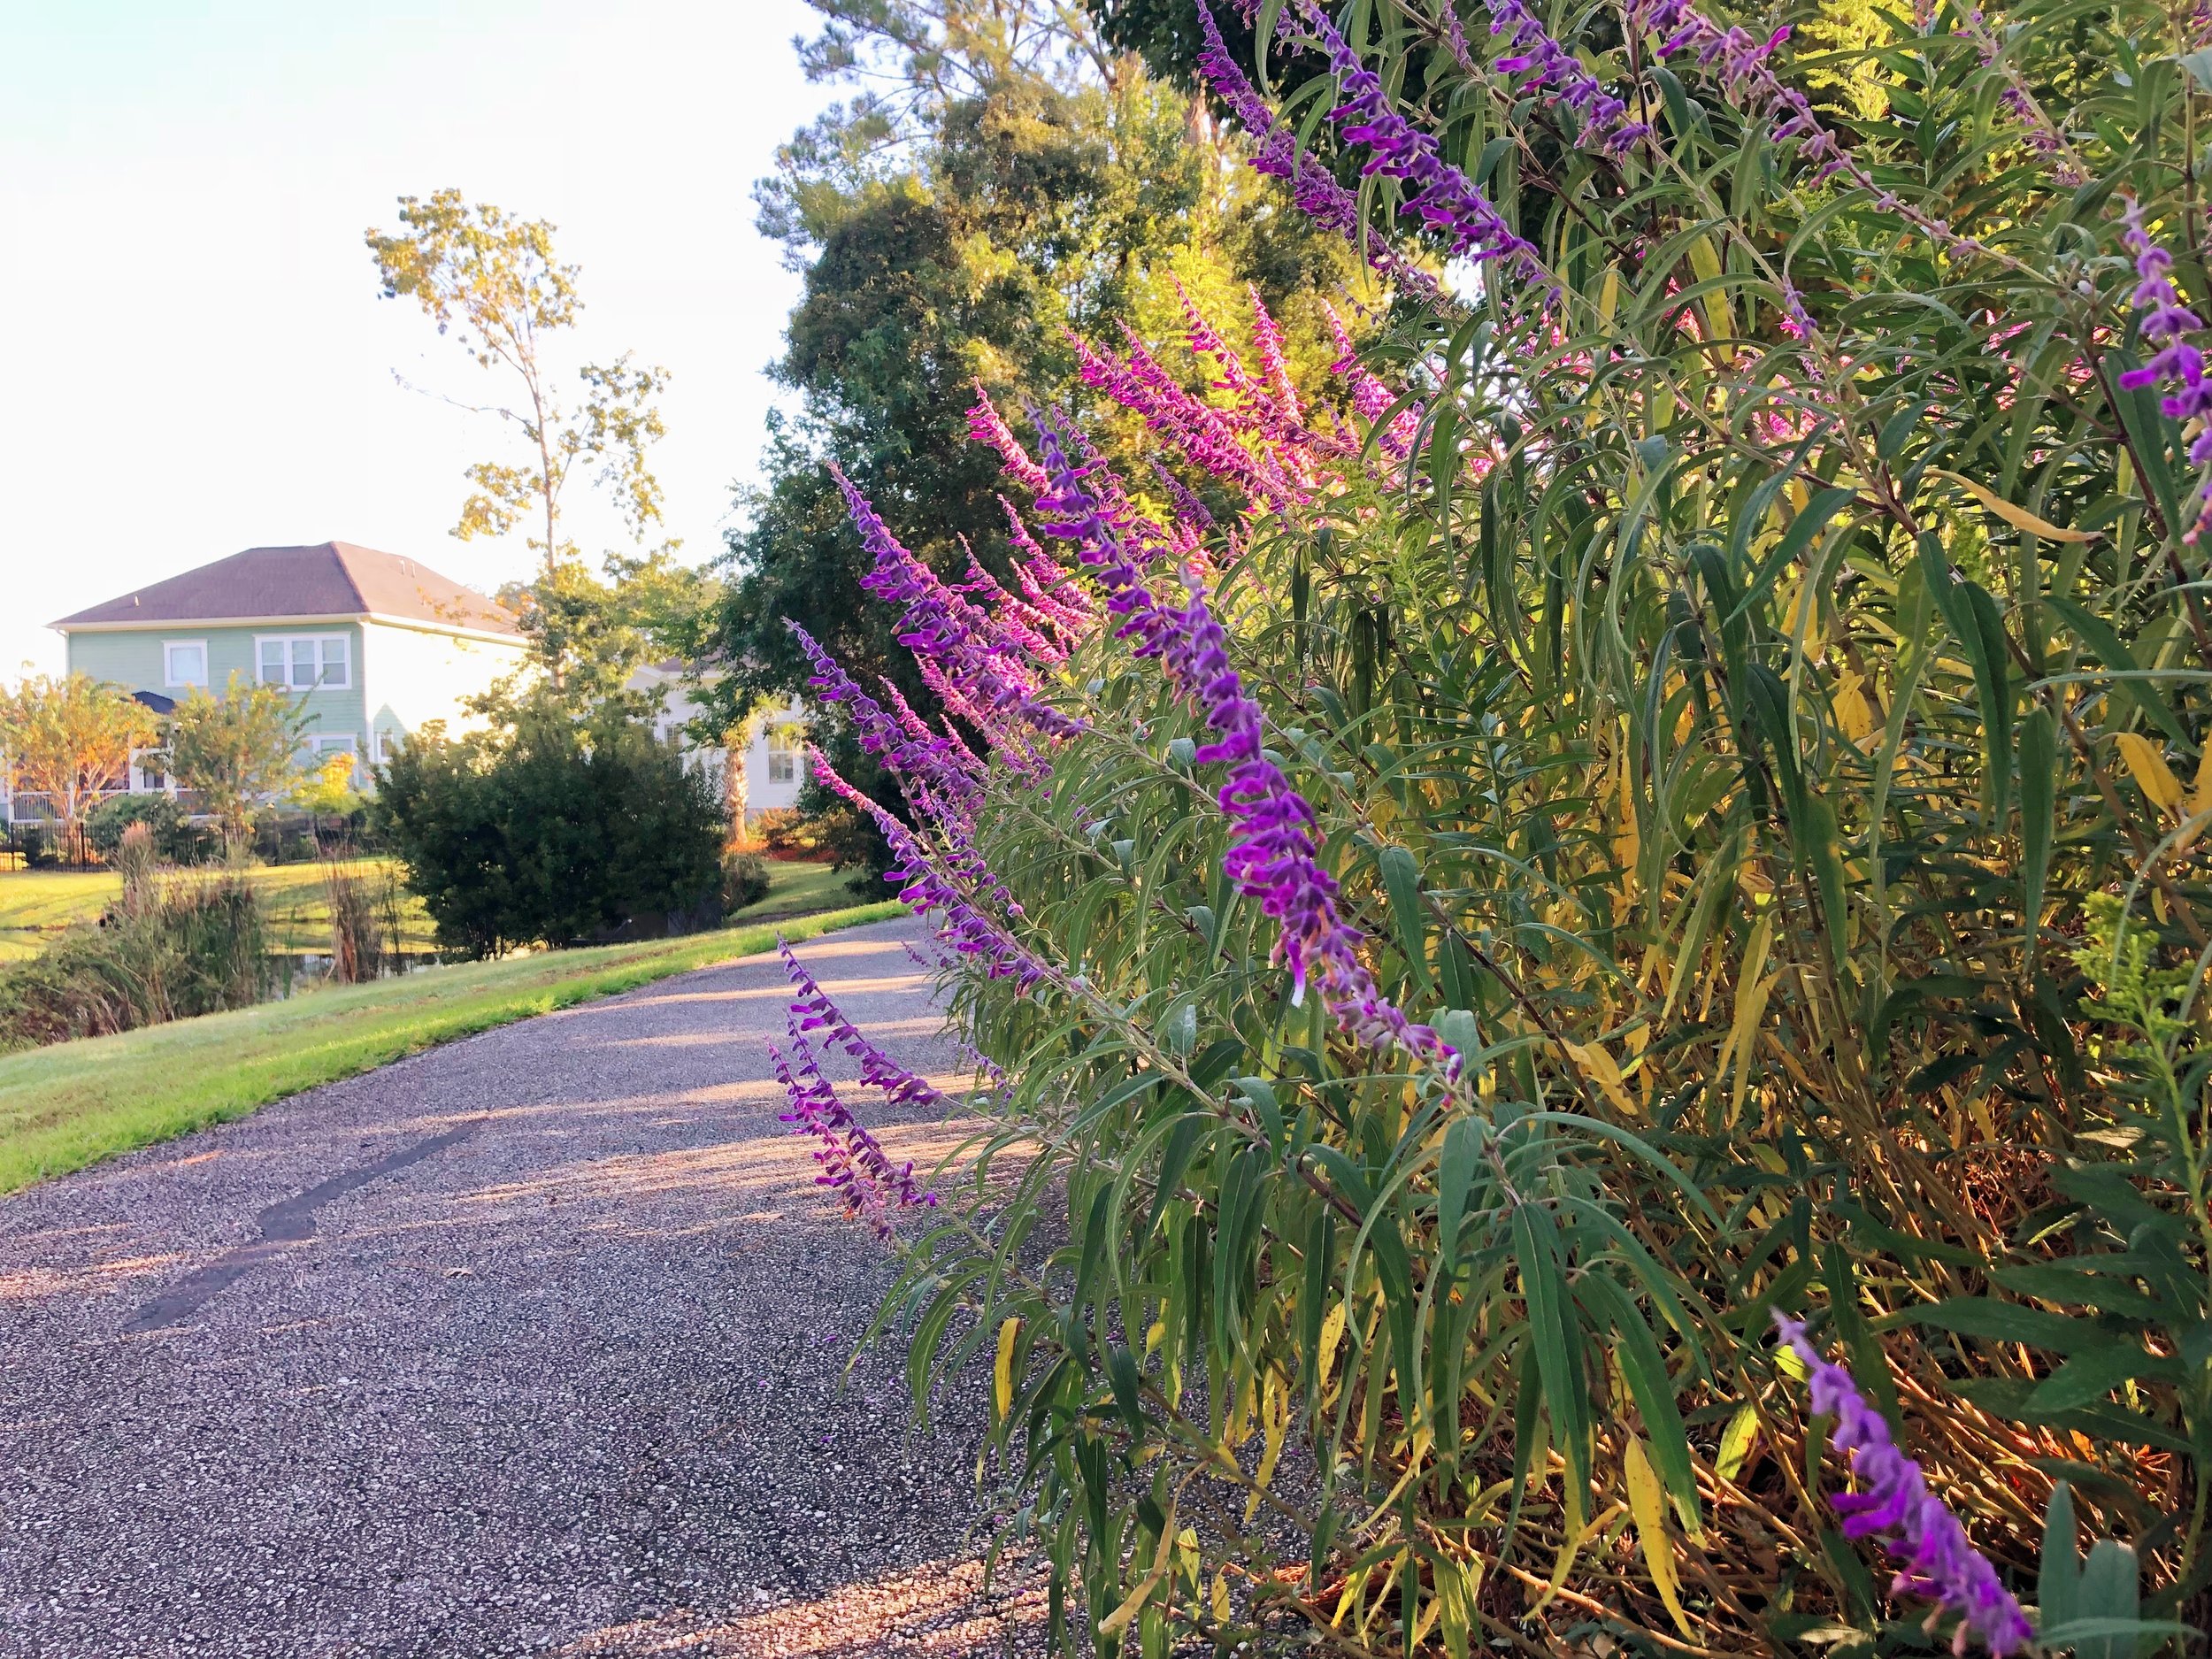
pixel 138 784
pixel 387 744
pixel 785 747
pixel 322 662
pixel 322 743
pixel 168 669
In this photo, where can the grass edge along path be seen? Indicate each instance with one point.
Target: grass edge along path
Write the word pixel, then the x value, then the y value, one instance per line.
pixel 71 1104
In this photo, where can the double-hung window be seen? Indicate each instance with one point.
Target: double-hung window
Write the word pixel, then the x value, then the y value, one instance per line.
pixel 783 755
pixel 303 661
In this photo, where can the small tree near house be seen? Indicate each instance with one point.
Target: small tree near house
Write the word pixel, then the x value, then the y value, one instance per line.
pixel 71 740
pixel 236 752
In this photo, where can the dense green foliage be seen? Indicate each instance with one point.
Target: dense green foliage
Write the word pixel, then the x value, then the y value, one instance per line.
pixel 551 831
pixel 1753 730
pixel 174 838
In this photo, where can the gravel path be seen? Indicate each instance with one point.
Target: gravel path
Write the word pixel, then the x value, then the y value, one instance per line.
pixel 530 1344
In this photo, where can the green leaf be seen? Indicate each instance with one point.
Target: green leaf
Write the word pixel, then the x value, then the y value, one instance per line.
pixel 2007 1322
pixel 2088 1378
pixel 1551 1320
pixel 2039 815
pixel 2058 1585
pixel 2105 646
pixel 1402 878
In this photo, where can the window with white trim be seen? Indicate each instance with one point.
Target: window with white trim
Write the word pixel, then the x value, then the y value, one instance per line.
pixel 333 742
pixel 388 745
pixel 783 755
pixel 184 663
pixel 303 661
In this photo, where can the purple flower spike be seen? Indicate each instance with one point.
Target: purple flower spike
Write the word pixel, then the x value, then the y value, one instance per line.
pixel 1313 189
pixel 813 1011
pixel 1444 196
pixel 1273 841
pixel 854 1163
pixel 932 886
pixel 1895 1504
pixel 989 665
pixel 2177 363
pixel 1604 118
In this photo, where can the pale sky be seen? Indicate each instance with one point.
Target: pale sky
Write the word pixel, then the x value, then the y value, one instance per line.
pixel 196 354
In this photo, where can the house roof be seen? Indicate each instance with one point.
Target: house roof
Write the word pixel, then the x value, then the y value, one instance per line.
pixel 333 579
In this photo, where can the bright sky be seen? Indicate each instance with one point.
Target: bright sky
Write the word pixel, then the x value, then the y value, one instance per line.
pixel 198 360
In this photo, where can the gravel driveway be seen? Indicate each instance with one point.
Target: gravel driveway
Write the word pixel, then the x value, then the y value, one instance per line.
pixel 531 1344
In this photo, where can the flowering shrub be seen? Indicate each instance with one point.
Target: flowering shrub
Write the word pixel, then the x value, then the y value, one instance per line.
pixel 1665 816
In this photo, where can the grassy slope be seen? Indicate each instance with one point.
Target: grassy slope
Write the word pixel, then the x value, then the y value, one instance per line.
pixel 74 1103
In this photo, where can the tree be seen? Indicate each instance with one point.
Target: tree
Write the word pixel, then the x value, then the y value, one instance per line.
pixel 493 280
pixel 1003 177
pixel 552 830
pixel 236 752
pixel 71 740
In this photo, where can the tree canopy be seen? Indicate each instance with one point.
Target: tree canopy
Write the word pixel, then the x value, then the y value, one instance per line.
pixel 1006 174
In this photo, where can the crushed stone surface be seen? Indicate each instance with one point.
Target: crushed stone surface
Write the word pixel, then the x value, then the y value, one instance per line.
pixel 536 1343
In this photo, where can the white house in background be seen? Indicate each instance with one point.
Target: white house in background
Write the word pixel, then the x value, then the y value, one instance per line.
pixel 774 761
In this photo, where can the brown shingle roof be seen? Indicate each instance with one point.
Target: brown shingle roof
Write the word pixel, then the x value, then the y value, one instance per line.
pixel 334 579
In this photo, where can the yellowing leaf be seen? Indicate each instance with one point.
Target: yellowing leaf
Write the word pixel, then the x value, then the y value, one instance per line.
pixel 2150 770
pixel 1627 843
pixel 1647 1502
pixel 1852 712
pixel 2018 518
pixel 1002 1373
pixel 1598 1066
pixel 1161 1559
pixel 1735 1443
pixel 1332 1334
pixel 1275 1424
pixel 2201 791
pixel 1705 262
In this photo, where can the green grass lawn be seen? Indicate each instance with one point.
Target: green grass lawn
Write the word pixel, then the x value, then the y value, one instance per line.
pixel 35 904
pixel 74 1103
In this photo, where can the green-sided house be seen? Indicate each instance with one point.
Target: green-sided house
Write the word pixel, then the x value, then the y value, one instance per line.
pixel 377 644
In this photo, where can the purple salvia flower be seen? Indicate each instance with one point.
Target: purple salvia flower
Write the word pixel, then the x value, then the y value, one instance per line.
pixel 1749 81
pixel 1893 1503
pixel 854 1163
pixel 1191 513
pixel 1027 627
pixel 990 670
pixel 2176 362
pixel 1267 406
pixel 1371 400
pixel 1603 117
pixel 1313 189
pixel 927 888
pixel 814 1011
pixel 1273 839
pixel 1445 199
pixel 1206 439
pixel 1043 582
pixel 924 762
pixel 987 426
pixel 1267 340
pixel 2165 320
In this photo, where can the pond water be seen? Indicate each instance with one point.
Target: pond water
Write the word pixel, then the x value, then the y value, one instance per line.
pixel 302 970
